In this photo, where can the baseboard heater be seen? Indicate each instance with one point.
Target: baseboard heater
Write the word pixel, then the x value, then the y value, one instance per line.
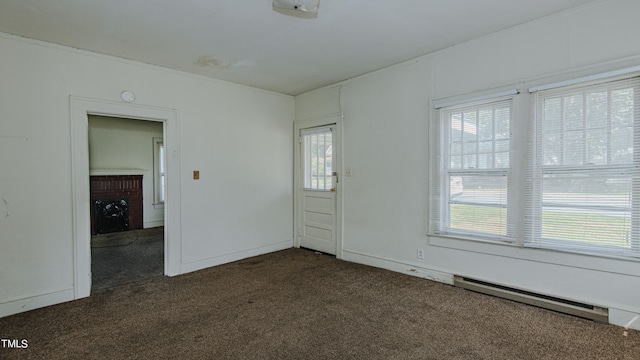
pixel 583 310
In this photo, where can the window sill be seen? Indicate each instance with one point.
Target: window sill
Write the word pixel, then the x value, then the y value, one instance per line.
pixel 460 242
pixel 618 265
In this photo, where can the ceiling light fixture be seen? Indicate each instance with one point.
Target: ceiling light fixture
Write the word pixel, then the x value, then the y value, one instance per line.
pixel 297 8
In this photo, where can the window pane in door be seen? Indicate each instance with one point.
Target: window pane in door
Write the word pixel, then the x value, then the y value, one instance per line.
pixel 317 153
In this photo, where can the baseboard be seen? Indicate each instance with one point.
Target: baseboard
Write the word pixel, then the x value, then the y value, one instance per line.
pixel 397 266
pixel 153 223
pixel 562 304
pixel 235 256
pixel 626 319
pixel 623 318
pixel 32 302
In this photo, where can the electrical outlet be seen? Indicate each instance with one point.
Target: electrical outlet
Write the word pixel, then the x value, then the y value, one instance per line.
pixel 420 253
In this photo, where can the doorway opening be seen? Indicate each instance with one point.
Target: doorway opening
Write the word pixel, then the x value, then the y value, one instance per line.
pixel 80 110
pixel 127 192
pixel 318 187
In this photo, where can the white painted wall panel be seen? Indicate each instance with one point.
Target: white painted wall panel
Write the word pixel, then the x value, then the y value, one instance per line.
pixel 385 127
pixel 238 137
pixel 386 116
pixel 596 33
pixel 318 103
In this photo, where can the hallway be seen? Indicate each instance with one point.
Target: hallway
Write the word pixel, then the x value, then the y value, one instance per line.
pixel 125 257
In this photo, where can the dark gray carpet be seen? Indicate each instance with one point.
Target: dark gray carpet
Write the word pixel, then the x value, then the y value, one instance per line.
pixel 125 257
pixel 295 304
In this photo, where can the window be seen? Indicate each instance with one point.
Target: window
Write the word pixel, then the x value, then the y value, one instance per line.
pixel 475 169
pixel 585 180
pixel 571 182
pixel 318 154
pixel 158 171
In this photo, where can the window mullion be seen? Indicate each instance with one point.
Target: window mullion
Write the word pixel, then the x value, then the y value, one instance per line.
pixel 562 137
pixel 463 158
pixel 635 177
pixel 493 138
pixel 324 161
pixel 318 159
pixel 585 146
pixel 609 157
pixel 477 139
pixel 536 178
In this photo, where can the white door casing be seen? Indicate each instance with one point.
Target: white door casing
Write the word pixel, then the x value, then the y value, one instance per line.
pixel 80 108
pixel 318 200
pixel 317 185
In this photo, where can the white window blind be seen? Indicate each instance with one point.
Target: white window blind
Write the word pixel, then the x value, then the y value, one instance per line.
pixel 584 185
pixel 474 175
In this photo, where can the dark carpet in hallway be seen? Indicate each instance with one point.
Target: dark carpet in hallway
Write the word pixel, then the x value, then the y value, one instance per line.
pixel 124 257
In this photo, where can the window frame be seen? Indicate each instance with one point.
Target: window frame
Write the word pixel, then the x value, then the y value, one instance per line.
pixel 327 178
pixel 441 191
pixel 522 191
pixel 538 169
pixel 159 192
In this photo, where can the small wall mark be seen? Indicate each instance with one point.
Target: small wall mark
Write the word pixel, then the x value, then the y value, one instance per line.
pixel 6 208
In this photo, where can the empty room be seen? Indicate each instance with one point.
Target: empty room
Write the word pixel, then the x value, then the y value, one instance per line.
pixel 320 179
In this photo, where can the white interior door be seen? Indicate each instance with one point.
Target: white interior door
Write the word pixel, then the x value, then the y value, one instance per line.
pixel 317 191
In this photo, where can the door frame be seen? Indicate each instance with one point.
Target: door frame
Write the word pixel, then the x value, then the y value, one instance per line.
pixel 297 169
pixel 80 109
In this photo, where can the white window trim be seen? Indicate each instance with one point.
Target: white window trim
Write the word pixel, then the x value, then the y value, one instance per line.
pixel 585 79
pixel 450 102
pixel 536 171
pixel 439 189
pixel 523 135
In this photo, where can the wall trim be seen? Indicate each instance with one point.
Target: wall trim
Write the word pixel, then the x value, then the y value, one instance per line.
pixel 109 172
pixel 626 319
pixel 188 267
pixel 621 266
pixel 32 302
pixel 397 266
pixel 153 223
pixel 336 119
pixel 619 317
pixel 79 110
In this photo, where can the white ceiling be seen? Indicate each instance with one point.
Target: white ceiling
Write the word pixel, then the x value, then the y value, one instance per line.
pixel 246 42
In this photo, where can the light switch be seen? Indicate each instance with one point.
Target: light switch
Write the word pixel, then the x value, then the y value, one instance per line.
pixel 196 175
pixel 347 171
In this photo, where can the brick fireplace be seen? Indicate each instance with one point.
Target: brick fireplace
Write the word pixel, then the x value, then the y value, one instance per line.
pixel 117 200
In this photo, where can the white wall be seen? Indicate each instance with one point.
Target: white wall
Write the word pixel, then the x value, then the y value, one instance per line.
pixel 238 137
pixel 386 145
pixel 124 144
